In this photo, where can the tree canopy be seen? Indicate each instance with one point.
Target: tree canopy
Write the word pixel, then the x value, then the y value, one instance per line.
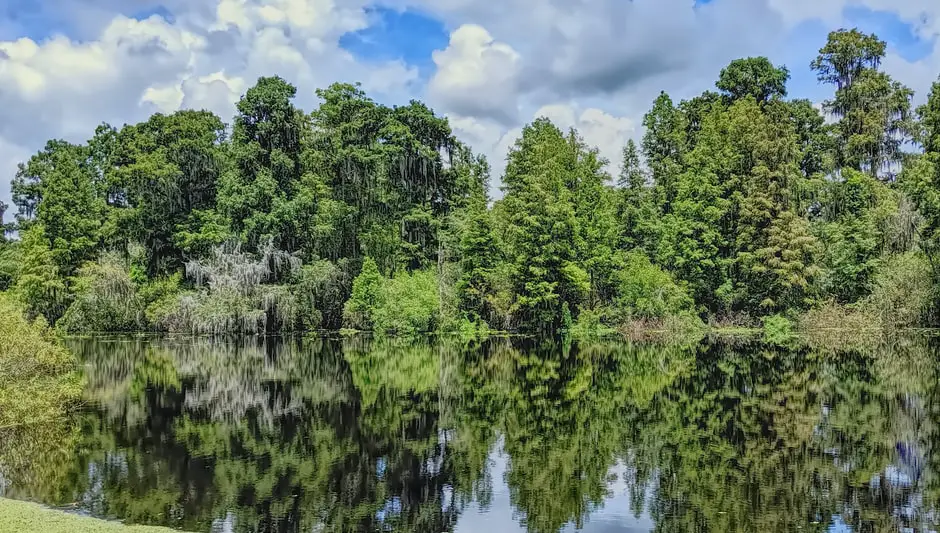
pixel 736 204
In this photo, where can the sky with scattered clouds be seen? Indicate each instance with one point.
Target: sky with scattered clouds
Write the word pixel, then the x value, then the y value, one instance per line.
pixel 490 66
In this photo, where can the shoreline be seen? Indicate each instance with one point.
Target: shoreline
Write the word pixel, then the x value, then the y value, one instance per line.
pixel 27 517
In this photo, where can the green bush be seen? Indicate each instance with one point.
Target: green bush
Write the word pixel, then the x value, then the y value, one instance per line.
pixel 410 304
pixel 406 304
pixel 902 292
pixel 591 324
pixel 365 298
pixel 645 291
pixel 106 298
pixel 777 329
pixel 37 381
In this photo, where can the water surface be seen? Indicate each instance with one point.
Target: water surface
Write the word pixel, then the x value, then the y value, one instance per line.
pixel 503 435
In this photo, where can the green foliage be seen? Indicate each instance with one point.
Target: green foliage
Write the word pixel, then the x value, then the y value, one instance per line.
pixel 693 240
pixel 846 55
pixel 645 291
pixel 816 144
pixel 920 178
pixel 874 111
pixel 167 178
pixel 59 188
pixel 853 233
pixel 543 232
pixel 406 304
pixel 777 329
pixel 39 284
pixel 105 299
pixel 321 289
pixel 663 147
pixel 39 386
pixel 776 250
pixel 741 203
pixel 366 297
pixel 480 256
pixel 267 192
pixel 903 292
pixel 756 77
pixel 592 324
pixel 37 382
pixel 409 304
pixel 9 263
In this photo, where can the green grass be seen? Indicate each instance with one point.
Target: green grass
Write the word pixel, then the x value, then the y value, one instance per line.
pixel 23 517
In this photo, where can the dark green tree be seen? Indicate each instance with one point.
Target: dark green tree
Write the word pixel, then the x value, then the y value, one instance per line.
pixel 57 189
pixel 544 236
pixel 663 146
pixel 756 77
pixel 167 171
pixel 874 111
pixel 258 189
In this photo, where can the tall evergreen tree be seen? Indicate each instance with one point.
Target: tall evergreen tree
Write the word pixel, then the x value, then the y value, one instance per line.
pixel 921 176
pixel 874 111
pixel 544 236
pixel 636 210
pixel 693 241
pixel 775 249
pixel 57 190
pixel 663 146
pixel 257 189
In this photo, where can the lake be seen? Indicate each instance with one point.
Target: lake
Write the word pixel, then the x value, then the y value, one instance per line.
pixel 314 435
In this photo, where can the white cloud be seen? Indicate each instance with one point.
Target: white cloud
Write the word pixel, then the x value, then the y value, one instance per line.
pixel 62 88
pixel 205 57
pixel 476 75
pixel 607 132
pixel 922 15
pixel 592 64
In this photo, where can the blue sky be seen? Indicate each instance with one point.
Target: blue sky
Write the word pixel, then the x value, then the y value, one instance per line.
pixel 489 66
pixel 413 34
pixel 409 35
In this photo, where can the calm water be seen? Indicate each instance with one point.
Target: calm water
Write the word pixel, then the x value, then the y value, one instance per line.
pixel 505 435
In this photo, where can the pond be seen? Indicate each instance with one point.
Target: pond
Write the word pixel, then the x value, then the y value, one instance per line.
pixel 354 434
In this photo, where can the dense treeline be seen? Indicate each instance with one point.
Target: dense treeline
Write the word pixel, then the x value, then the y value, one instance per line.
pixel 739 203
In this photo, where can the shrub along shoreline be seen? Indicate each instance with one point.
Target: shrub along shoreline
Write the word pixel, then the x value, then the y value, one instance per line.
pixel 39 384
pixel 38 377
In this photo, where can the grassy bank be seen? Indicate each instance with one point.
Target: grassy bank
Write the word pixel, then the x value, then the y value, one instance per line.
pixel 22 517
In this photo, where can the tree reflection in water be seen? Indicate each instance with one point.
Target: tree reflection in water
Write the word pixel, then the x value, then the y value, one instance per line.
pixel 420 435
